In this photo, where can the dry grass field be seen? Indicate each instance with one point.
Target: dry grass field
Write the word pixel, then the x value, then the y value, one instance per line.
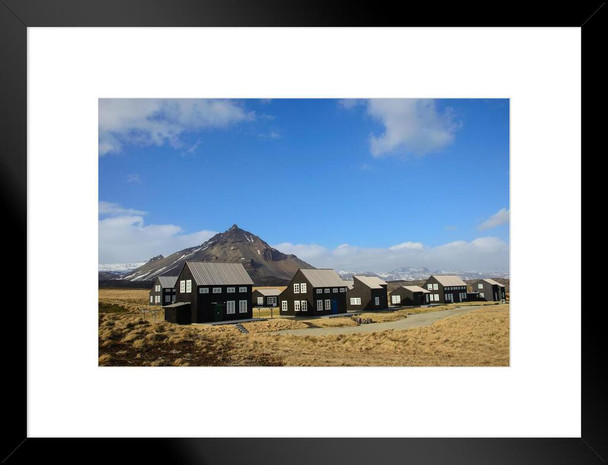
pixel 128 336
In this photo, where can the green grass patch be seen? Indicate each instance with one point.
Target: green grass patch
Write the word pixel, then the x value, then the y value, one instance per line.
pixel 105 307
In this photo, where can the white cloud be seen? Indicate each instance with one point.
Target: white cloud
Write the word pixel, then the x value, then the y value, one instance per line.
pixel 406 245
pixel 113 209
pixel 161 121
pixel 411 126
pixel 124 236
pixel 498 218
pixel 481 254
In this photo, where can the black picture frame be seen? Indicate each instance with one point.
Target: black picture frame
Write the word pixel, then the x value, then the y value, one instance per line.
pixel 17 15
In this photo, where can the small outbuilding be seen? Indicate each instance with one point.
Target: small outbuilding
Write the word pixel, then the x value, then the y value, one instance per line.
pixel 163 292
pixel 489 290
pixel 410 296
pixel 266 297
pixel 367 293
pixel 446 289
pixel 178 313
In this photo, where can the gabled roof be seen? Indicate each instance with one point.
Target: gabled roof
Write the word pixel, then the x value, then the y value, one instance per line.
pixel 450 280
pixel 371 281
pixel 269 292
pixel 323 278
pixel 167 282
pixel 416 289
pixel 211 274
pixel 492 282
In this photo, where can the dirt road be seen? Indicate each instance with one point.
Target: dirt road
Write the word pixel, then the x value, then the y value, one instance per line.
pixel 412 321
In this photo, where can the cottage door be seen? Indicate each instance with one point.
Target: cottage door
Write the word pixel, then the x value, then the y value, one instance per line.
pixel 334 306
pixel 218 312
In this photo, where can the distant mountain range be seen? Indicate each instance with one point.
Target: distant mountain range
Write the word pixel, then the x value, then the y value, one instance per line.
pixel 265 264
pixel 418 274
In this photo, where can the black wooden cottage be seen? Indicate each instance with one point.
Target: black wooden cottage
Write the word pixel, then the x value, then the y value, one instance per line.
pixel 489 289
pixel 314 293
pixel 446 289
pixel 163 291
pixel 367 293
pixel 266 297
pixel 215 291
pixel 409 296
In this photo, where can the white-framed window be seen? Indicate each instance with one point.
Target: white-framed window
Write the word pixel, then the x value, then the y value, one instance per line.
pixel 151 299
pixel 342 289
pixel 283 305
pixel 326 290
pixel 303 288
pixel 463 296
pixel 429 286
pixel 436 297
pixel 355 300
pixel 426 297
pixel 182 286
pixel 335 290
pixel 157 288
pixel 435 286
pixel 304 305
pixel 296 288
pixel 157 299
pixel 377 301
pixel 230 290
pixel 396 299
pixel 260 300
pixel 231 307
pixel 481 295
pixel 242 306
pixel 449 298
pixel 296 305
pixel 188 285
pixel 203 290
pixel 217 290
pixel 327 304
pixel 319 305
pixel 173 299
pixel 272 301
pixel 167 298
pixel 242 289
pixel 319 291
pixel 480 286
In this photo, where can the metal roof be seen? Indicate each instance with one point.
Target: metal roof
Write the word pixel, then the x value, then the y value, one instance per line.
pixel 167 281
pixel 450 280
pixel 416 289
pixel 269 292
pixel 371 281
pixel 492 282
pixel 211 274
pixel 323 278
pixel 350 283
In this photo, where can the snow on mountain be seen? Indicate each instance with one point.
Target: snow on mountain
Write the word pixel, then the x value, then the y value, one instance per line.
pixel 119 267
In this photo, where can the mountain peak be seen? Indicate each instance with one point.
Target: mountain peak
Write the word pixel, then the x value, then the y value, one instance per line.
pixel 265 264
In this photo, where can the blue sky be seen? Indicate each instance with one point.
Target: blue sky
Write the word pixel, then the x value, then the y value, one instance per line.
pixel 364 184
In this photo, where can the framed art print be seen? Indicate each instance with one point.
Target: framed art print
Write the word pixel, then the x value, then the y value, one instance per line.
pixel 260 243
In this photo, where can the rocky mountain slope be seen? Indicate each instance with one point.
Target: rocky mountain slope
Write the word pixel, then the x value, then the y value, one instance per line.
pixel 265 265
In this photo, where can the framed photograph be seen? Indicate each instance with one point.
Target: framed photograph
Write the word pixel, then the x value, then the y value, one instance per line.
pixel 255 236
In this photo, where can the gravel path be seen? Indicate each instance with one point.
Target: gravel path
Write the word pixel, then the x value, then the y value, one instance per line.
pixel 412 321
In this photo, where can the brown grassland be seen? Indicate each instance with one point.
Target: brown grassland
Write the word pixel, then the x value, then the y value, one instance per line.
pixel 129 335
